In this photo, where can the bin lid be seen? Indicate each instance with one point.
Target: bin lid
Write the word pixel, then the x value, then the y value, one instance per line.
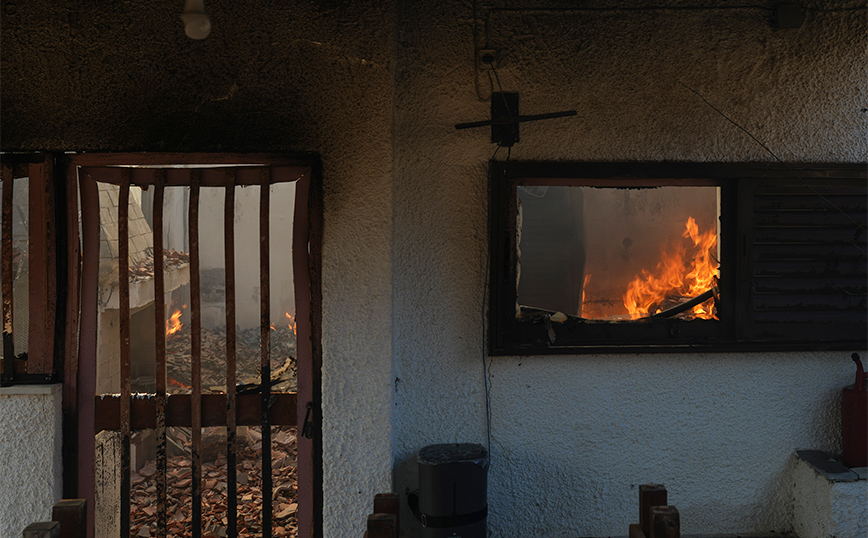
pixel 453 453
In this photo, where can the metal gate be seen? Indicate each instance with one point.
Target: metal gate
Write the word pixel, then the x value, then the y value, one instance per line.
pixel 157 409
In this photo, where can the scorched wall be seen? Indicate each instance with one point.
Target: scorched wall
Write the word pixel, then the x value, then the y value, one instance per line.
pixel 574 436
pixel 375 88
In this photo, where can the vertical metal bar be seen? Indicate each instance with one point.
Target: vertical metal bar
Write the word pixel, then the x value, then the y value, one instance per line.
pixel 303 251
pixel 8 341
pixel 41 269
pixel 265 330
pixel 160 339
pixel 124 305
pixel 196 351
pixel 71 366
pixel 229 253
pixel 87 345
pixel 314 243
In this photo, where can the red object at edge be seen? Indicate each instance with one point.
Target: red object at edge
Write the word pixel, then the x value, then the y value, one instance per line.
pixel 854 420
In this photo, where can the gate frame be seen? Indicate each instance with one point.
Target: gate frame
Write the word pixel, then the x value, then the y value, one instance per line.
pixel 80 365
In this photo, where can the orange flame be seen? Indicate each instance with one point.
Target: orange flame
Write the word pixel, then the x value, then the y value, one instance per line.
pixel 292 323
pixel 685 270
pixel 584 289
pixel 173 324
pixel 175 383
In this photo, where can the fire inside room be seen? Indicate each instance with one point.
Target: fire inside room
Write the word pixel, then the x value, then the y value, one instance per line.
pixel 618 254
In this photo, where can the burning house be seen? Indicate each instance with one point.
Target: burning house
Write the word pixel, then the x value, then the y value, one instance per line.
pixel 661 284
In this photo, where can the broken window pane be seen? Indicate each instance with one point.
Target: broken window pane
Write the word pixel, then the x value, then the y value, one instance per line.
pixel 618 254
pixel 20 265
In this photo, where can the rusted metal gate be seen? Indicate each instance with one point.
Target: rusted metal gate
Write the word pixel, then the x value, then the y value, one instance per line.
pixel 29 355
pixel 125 412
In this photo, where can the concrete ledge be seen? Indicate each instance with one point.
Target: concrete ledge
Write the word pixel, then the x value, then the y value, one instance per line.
pixel 29 390
pixel 832 468
pixel 829 499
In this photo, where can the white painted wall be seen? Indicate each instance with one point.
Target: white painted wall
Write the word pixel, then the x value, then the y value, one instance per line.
pixel 573 437
pixel 381 85
pixel 30 456
pixel 824 507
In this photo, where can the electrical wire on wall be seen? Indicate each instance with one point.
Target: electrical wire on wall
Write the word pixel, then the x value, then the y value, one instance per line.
pixel 483 22
pixel 486 361
pixel 860 228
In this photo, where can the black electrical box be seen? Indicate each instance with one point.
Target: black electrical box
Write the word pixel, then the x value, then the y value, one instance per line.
pixel 504 117
pixel 452 501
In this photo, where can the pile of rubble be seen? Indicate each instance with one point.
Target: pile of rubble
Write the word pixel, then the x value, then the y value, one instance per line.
pixel 143 518
pixel 144 269
pixel 247 362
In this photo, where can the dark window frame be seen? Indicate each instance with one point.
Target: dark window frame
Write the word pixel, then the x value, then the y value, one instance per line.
pixel 41 363
pixel 735 331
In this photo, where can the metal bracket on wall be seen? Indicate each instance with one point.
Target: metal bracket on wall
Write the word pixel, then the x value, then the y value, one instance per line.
pixel 505 119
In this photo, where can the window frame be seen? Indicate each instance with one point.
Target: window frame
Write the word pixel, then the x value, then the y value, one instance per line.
pixel 538 335
pixel 41 362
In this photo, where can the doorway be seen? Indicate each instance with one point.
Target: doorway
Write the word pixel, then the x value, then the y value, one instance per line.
pixel 199 356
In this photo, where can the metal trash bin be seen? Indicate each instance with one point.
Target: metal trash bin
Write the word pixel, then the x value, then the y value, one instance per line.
pixel 452 501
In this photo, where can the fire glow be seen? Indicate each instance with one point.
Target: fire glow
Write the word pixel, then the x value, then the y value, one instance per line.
pixel 687 269
pixel 173 324
pixel 292 324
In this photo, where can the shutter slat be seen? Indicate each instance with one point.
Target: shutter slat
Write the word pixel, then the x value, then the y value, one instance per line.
pixel 808 262
pixel 847 285
pixel 813 302
pixel 807 234
pixel 803 217
pixel 785 252
pixel 831 269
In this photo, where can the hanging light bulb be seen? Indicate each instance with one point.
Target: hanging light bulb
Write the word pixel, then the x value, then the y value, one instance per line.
pixel 197 25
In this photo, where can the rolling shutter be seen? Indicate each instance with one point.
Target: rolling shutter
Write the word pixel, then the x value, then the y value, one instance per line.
pixel 805 244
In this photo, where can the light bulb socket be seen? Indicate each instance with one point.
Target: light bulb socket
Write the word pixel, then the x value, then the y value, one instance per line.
pixel 196 25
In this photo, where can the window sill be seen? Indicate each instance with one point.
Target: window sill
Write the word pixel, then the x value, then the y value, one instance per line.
pixel 30 390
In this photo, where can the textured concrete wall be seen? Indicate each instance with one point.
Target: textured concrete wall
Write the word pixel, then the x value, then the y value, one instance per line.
pixel 573 437
pixel 849 505
pixel 30 456
pixel 375 88
pixel 281 76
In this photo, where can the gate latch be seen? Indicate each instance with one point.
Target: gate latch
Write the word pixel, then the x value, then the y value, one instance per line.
pixel 307 427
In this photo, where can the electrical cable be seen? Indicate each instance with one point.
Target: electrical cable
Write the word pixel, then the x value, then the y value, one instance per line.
pixel 859 227
pixel 486 366
pixel 486 380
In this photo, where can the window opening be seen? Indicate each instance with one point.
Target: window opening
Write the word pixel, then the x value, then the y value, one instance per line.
pixel 28 270
pixel 639 257
pixel 16 278
pixel 618 254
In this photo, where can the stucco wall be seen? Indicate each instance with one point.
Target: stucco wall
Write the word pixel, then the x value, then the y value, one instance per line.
pixel 375 88
pixel 285 76
pixel 30 456
pixel 573 437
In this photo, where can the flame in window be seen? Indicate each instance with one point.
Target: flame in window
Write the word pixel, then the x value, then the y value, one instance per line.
pixel 687 269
